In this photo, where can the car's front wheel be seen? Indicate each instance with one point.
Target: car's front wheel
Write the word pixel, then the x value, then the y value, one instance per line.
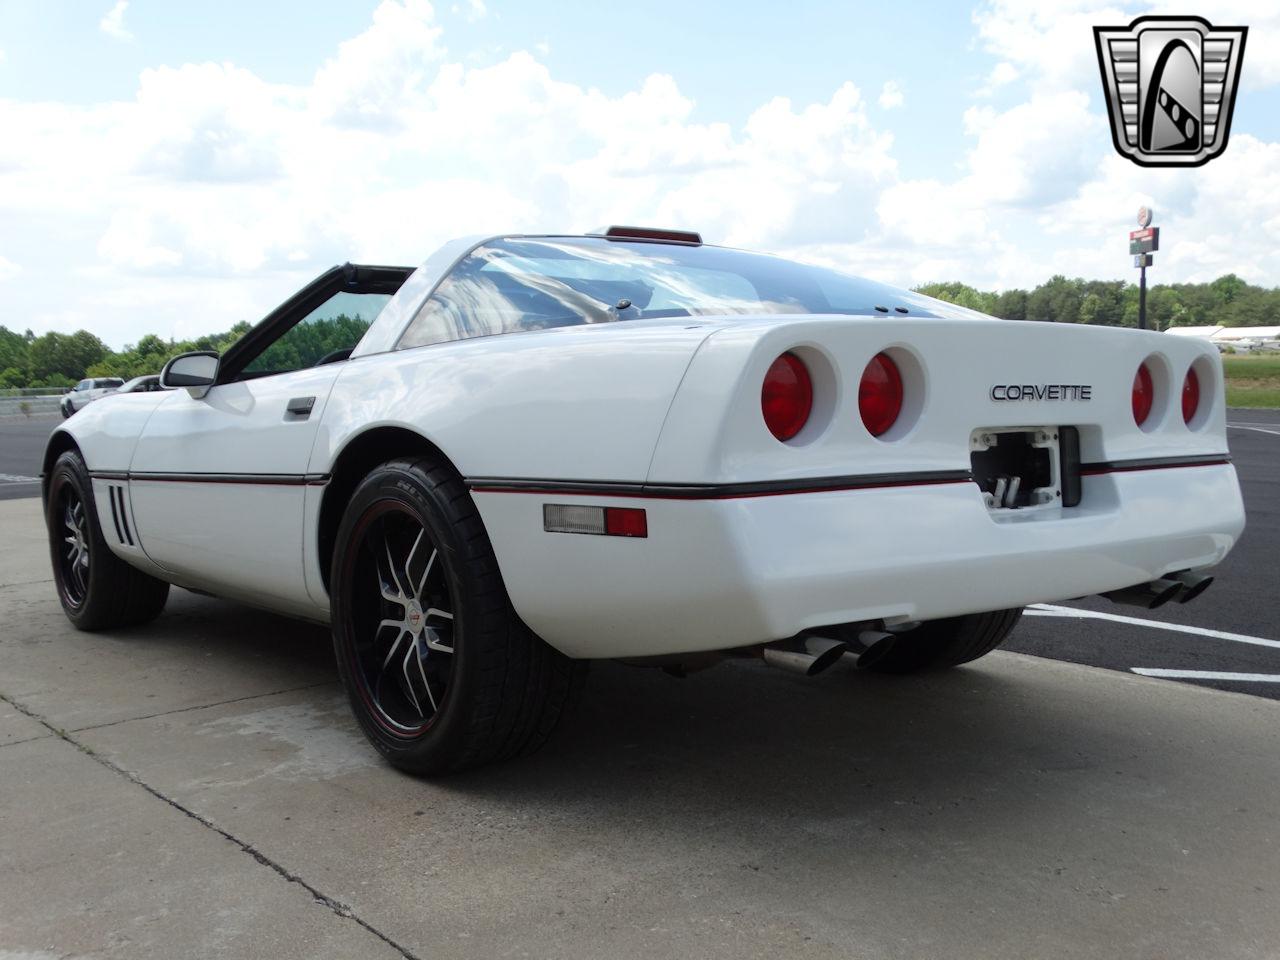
pixel 98 590
pixel 440 671
pixel 67 409
pixel 937 644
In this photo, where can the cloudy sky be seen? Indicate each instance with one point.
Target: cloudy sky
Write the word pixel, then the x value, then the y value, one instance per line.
pixel 176 167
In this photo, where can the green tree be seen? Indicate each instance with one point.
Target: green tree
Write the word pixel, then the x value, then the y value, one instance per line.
pixel 1228 287
pixel 1058 300
pixel 1091 309
pixel 1253 307
pixel 13 349
pixel 66 355
pixel 1011 305
pixel 1165 309
pixel 960 294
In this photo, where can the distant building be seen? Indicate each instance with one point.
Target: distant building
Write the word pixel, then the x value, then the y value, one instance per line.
pixel 1243 339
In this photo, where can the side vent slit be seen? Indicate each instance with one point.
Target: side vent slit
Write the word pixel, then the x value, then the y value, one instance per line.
pixel 115 513
pixel 124 516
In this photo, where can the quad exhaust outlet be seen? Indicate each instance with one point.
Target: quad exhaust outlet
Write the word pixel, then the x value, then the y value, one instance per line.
pixel 822 653
pixel 1183 587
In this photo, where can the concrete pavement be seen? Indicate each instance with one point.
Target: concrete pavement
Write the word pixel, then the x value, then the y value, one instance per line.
pixel 197 786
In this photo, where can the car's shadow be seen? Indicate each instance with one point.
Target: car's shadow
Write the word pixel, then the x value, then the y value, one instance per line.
pixel 743 736
pixel 1010 738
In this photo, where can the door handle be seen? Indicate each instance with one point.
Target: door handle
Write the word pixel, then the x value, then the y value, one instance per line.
pixel 301 407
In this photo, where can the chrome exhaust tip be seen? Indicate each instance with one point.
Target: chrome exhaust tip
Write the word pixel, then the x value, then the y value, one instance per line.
pixel 876 646
pixel 1147 595
pixel 821 655
pixel 1193 584
pixel 829 651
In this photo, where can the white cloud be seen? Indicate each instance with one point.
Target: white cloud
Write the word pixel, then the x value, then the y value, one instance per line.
pixel 890 95
pixel 212 173
pixel 1042 190
pixel 8 269
pixel 374 77
pixel 473 10
pixel 112 24
pixel 213 193
pixel 1001 75
pixel 1042 39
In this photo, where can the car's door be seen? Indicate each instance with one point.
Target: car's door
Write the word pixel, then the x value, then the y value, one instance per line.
pixel 217 484
pixel 218 481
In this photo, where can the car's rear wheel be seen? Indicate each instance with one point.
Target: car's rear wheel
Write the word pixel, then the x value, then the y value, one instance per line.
pixel 937 644
pixel 98 590
pixel 440 671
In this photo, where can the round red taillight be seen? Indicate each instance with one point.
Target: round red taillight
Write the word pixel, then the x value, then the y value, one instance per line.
pixel 880 394
pixel 1190 395
pixel 1143 395
pixel 786 397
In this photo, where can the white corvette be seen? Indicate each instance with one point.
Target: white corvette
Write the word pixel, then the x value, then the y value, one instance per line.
pixel 546 449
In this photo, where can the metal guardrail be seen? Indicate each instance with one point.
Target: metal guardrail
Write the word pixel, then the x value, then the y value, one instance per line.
pixel 11 392
pixel 29 406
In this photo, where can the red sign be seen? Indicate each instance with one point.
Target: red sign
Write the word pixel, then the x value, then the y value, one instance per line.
pixel 1142 234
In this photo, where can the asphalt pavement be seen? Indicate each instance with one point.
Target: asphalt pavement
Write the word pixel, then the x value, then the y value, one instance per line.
pixel 22 442
pixel 1244 600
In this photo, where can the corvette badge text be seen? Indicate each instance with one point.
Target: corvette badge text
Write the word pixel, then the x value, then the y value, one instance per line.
pixel 1170 84
pixel 1042 391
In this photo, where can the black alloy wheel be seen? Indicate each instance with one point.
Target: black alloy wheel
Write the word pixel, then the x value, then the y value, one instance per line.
pixel 98 589
pixel 440 671
pixel 402 615
pixel 74 553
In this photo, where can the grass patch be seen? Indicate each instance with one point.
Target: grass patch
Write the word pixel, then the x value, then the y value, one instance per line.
pixel 1252 381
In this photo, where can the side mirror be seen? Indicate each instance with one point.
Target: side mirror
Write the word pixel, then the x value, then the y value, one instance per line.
pixel 195 371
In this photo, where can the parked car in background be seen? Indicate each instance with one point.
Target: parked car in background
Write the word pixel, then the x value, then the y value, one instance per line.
pixel 87 391
pixel 145 384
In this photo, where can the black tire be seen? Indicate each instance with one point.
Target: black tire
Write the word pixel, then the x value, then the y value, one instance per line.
pixel 97 589
pixel 478 686
pixel 67 411
pixel 938 644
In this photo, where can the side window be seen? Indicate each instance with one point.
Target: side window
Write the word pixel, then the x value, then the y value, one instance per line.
pixel 484 296
pixel 444 316
pixel 326 334
pixel 82 386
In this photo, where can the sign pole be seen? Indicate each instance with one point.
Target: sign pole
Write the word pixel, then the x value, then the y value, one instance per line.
pixel 1142 299
pixel 1142 243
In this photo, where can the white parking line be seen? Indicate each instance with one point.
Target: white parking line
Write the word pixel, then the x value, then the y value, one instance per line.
pixel 1257 428
pixel 1206 675
pixel 16 478
pixel 1050 610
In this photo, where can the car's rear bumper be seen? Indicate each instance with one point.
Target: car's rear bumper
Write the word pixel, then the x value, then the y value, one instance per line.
pixel 728 572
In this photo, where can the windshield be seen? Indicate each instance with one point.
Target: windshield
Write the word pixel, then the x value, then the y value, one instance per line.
pixel 533 283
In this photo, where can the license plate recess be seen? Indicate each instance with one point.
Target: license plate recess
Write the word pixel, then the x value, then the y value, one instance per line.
pixel 1018 469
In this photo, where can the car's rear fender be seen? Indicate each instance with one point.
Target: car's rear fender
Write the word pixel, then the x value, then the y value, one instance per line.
pixel 569 403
